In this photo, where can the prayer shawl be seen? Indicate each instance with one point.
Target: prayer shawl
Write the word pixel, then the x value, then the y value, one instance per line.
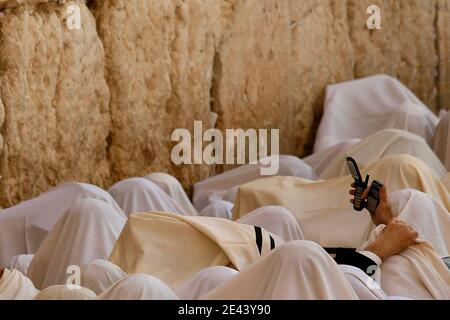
pixel 217 187
pixel 99 275
pixel 416 273
pixel 205 281
pixel 320 161
pixel 380 145
pixel 63 292
pixel 173 188
pixel 88 231
pixel 24 227
pixel 359 108
pixel 173 247
pixel 322 208
pixel 297 270
pixel 15 286
pixel 139 287
pixel 140 194
pixel 441 140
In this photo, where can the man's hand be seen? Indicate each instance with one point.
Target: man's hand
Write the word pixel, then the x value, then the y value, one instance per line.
pixel 395 238
pixel 383 214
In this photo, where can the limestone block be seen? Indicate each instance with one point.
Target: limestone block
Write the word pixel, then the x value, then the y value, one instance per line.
pixel 55 100
pixel 159 59
pixel 405 47
pixel 321 54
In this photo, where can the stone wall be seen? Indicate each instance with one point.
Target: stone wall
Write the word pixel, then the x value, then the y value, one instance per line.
pixel 100 104
pixel 55 100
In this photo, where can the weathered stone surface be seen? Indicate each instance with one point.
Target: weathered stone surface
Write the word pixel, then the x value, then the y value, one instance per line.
pixel 257 63
pixel 321 54
pixel 405 47
pixel 55 99
pixel 159 57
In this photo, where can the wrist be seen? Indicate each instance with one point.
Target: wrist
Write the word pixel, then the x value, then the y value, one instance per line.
pixel 377 249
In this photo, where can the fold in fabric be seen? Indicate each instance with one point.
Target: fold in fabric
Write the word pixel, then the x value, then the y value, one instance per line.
pixel 319 161
pixel 381 145
pixel 85 233
pixel 99 275
pixel 204 281
pixel 174 189
pixel 15 286
pixel 173 248
pixel 140 194
pixel 139 287
pixel 297 270
pixel 416 273
pixel 24 226
pixel 217 187
pixel 359 108
pixel 322 208
pixel 276 220
pixel 63 292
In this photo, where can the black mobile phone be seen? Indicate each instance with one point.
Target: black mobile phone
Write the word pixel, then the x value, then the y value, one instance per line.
pixel 360 185
pixel 373 199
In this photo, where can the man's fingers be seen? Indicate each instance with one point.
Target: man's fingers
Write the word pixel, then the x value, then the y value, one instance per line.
pixel 352 192
pixel 365 193
pixel 353 185
pixel 352 201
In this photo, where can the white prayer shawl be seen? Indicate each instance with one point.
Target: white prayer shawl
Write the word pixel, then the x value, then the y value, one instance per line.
pixel 15 286
pixel 359 108
pixel 276 220
pixel 63 292
pixel 322 208
pixel 86 232
pixel 441 140
pixel 139 287
pixel 319 161
pixel 204 281
pixel 217 187
pixel 426 215
pixel 140 195
pixel 174 247
pixel 417 273
pixel 365 287
pixel 175 190
pixel 99 275
pixel 380 145
pixel 219 209
pixel 22 263
pixel 297 270
pixel 24 226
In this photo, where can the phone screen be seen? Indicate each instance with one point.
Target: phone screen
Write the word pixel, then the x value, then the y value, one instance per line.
pixel 354 169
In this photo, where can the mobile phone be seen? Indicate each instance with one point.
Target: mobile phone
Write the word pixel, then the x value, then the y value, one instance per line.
pixel 373 199
pixel 358 204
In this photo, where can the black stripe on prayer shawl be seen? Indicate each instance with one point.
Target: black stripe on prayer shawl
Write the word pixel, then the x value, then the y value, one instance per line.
pixel 272 243
pixel 259 238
